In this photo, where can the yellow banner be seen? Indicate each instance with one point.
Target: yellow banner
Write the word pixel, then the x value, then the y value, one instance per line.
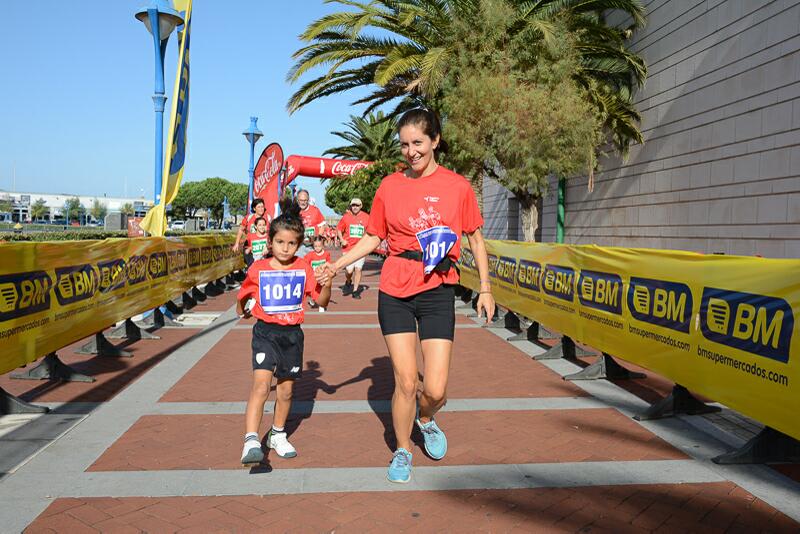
pixel 722 326
pixel 55 293
pixel 155 221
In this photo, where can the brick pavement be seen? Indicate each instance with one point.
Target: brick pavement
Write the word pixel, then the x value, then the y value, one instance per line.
pixel 351 364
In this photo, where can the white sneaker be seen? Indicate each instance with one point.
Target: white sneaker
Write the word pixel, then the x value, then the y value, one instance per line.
pixel 321 309
pixel 252 453
pixel 277 441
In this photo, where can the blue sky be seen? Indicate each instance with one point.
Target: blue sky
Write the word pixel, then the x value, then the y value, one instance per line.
pixel 76 114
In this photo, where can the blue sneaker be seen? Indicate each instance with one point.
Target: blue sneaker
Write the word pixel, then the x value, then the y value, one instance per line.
pixel 400 468
pixel 435 440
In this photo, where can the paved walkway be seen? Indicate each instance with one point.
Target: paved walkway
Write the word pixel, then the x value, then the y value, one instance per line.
pixel 154 444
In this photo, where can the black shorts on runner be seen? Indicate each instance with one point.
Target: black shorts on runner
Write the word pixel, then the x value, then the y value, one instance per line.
pixel 433 311
pixel 278 348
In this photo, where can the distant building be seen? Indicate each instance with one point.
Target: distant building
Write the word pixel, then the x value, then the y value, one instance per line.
pixel 21 204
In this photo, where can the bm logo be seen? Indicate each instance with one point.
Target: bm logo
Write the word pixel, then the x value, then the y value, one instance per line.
pixel 506 269
pixel 467 260
pixel 206 255
pixel 76 283
pixel 602 291
pixel 529 275
pixel 667 304
pixel 157 265
pixel 753 323
pixel 24 293
pixel 194 257
pixel 559 282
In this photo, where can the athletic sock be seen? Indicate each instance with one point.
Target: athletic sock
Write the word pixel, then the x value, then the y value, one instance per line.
pixel 275 429
pixel 251 435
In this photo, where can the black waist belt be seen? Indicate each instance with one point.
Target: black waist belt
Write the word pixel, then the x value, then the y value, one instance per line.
pixel 443 266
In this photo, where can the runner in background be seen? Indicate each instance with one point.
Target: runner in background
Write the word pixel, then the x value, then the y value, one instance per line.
pixel 422 212
pixel 248 222
pixel 317 258
pixel 257 245
pixel 313 221
pixel 350 230
pixel 273 293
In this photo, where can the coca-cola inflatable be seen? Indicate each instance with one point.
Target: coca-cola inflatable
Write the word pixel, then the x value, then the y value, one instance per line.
pixel 321 167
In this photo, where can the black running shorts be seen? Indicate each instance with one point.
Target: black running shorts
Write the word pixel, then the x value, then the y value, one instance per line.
pixel 278 348
pixel 433 311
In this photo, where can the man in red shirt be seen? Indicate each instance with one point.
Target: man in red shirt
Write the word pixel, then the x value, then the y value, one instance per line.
pixel 350 230
pixel 313 220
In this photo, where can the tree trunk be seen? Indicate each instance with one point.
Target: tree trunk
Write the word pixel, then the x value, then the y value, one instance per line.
pixel 530 216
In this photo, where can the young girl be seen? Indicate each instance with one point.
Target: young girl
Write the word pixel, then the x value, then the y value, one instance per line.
pixel 273 292
pixel 258 242
pixel 317 258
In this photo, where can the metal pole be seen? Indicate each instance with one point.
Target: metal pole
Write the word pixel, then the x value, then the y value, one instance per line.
pixel 562 189
pixel 251 173
pixel 159 101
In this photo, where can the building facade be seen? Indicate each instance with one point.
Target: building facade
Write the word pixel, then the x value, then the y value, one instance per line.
pixel 720 167
pixel 21 203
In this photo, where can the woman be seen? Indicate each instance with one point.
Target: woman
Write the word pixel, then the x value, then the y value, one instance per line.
pixel 422 212
pixel 248 227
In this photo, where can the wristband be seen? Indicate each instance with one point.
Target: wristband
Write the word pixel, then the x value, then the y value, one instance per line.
pixel 485 292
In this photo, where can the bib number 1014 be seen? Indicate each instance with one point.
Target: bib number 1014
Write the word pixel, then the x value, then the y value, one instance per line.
pixel 281 291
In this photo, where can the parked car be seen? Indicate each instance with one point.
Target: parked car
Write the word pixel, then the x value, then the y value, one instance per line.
pixel 178 225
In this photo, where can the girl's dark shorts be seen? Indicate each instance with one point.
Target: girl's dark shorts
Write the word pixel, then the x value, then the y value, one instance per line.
pixel 278 348
pixel 432 311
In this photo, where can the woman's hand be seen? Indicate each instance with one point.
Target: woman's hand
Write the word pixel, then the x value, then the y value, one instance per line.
pixel 487 304
pixel 325 274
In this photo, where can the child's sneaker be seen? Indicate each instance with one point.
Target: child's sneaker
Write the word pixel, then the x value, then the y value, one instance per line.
pixel 435 440
pixel 322 309
pixel 277 441
pixel 400 468
pixel 252 453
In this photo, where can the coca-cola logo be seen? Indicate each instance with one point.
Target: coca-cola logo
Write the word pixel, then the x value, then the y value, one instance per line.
pixel 347 167
pixel 268 167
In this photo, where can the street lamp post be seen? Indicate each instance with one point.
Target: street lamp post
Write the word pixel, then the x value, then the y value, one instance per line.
pixel 160 19
pixel 252 134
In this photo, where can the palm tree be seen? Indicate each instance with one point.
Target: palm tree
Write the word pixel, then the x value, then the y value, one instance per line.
pixel 370 138
pixel 409 57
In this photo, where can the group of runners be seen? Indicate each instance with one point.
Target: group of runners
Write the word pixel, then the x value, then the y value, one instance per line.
pixel 422 212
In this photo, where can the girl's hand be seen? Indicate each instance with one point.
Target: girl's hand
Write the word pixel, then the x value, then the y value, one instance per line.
pixel 487 304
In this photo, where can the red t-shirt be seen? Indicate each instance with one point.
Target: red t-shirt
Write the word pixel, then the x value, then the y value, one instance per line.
pixel 312 219
pixel 279 293
pixel 352 227
pixel 404 207
pixel 315 259
pixel 259 244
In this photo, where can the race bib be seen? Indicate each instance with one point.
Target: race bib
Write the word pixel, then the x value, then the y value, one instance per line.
pixel 310 231
pixel 281 291
pixel 317 263
pixel 357 230
pixel 435 243
pixel 259 248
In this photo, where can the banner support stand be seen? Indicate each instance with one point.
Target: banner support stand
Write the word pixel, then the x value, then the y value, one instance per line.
pixel 768 446
pixel 198 295
pixel 605 367
pixel 680 401
pixel 173 307
pixel 11 404
pixel 158 320
pixel 52 368
pixel 130 330
pixel 212 289
pixel 565 349
pixel 188 301
pixel 102 347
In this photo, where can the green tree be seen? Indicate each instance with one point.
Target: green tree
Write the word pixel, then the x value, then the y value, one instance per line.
pixel 370 138
pixel 517 113
pixel 5 206
pixel 188 200
pixel 127 209
pixel 237 198
pixel 73 209
pixel 98 210
pixel 362 184
pixel 39 209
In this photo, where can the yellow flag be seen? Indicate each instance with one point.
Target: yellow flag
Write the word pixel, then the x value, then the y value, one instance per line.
pixel 155 222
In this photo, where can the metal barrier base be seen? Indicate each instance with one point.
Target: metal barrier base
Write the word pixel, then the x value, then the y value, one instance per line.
pixel 102 347
pixel 51 368
pixel 680 401
pixel 605 367
pixel 188 301
pixel 768 446
pixel 198 295
pixel 213 290
pixel 544 333
pixel 528 334
pixel 239 276
pixel 158 320
pixel 11 404
pixel 130 330
pixel 173 307
pixel 505 321
pixel 231 282
pixel 565 349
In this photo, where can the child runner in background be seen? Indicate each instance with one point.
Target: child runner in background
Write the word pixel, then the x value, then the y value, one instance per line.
pixel 258 242
pixel 273 292
pixel 351 230
pixel 318 258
